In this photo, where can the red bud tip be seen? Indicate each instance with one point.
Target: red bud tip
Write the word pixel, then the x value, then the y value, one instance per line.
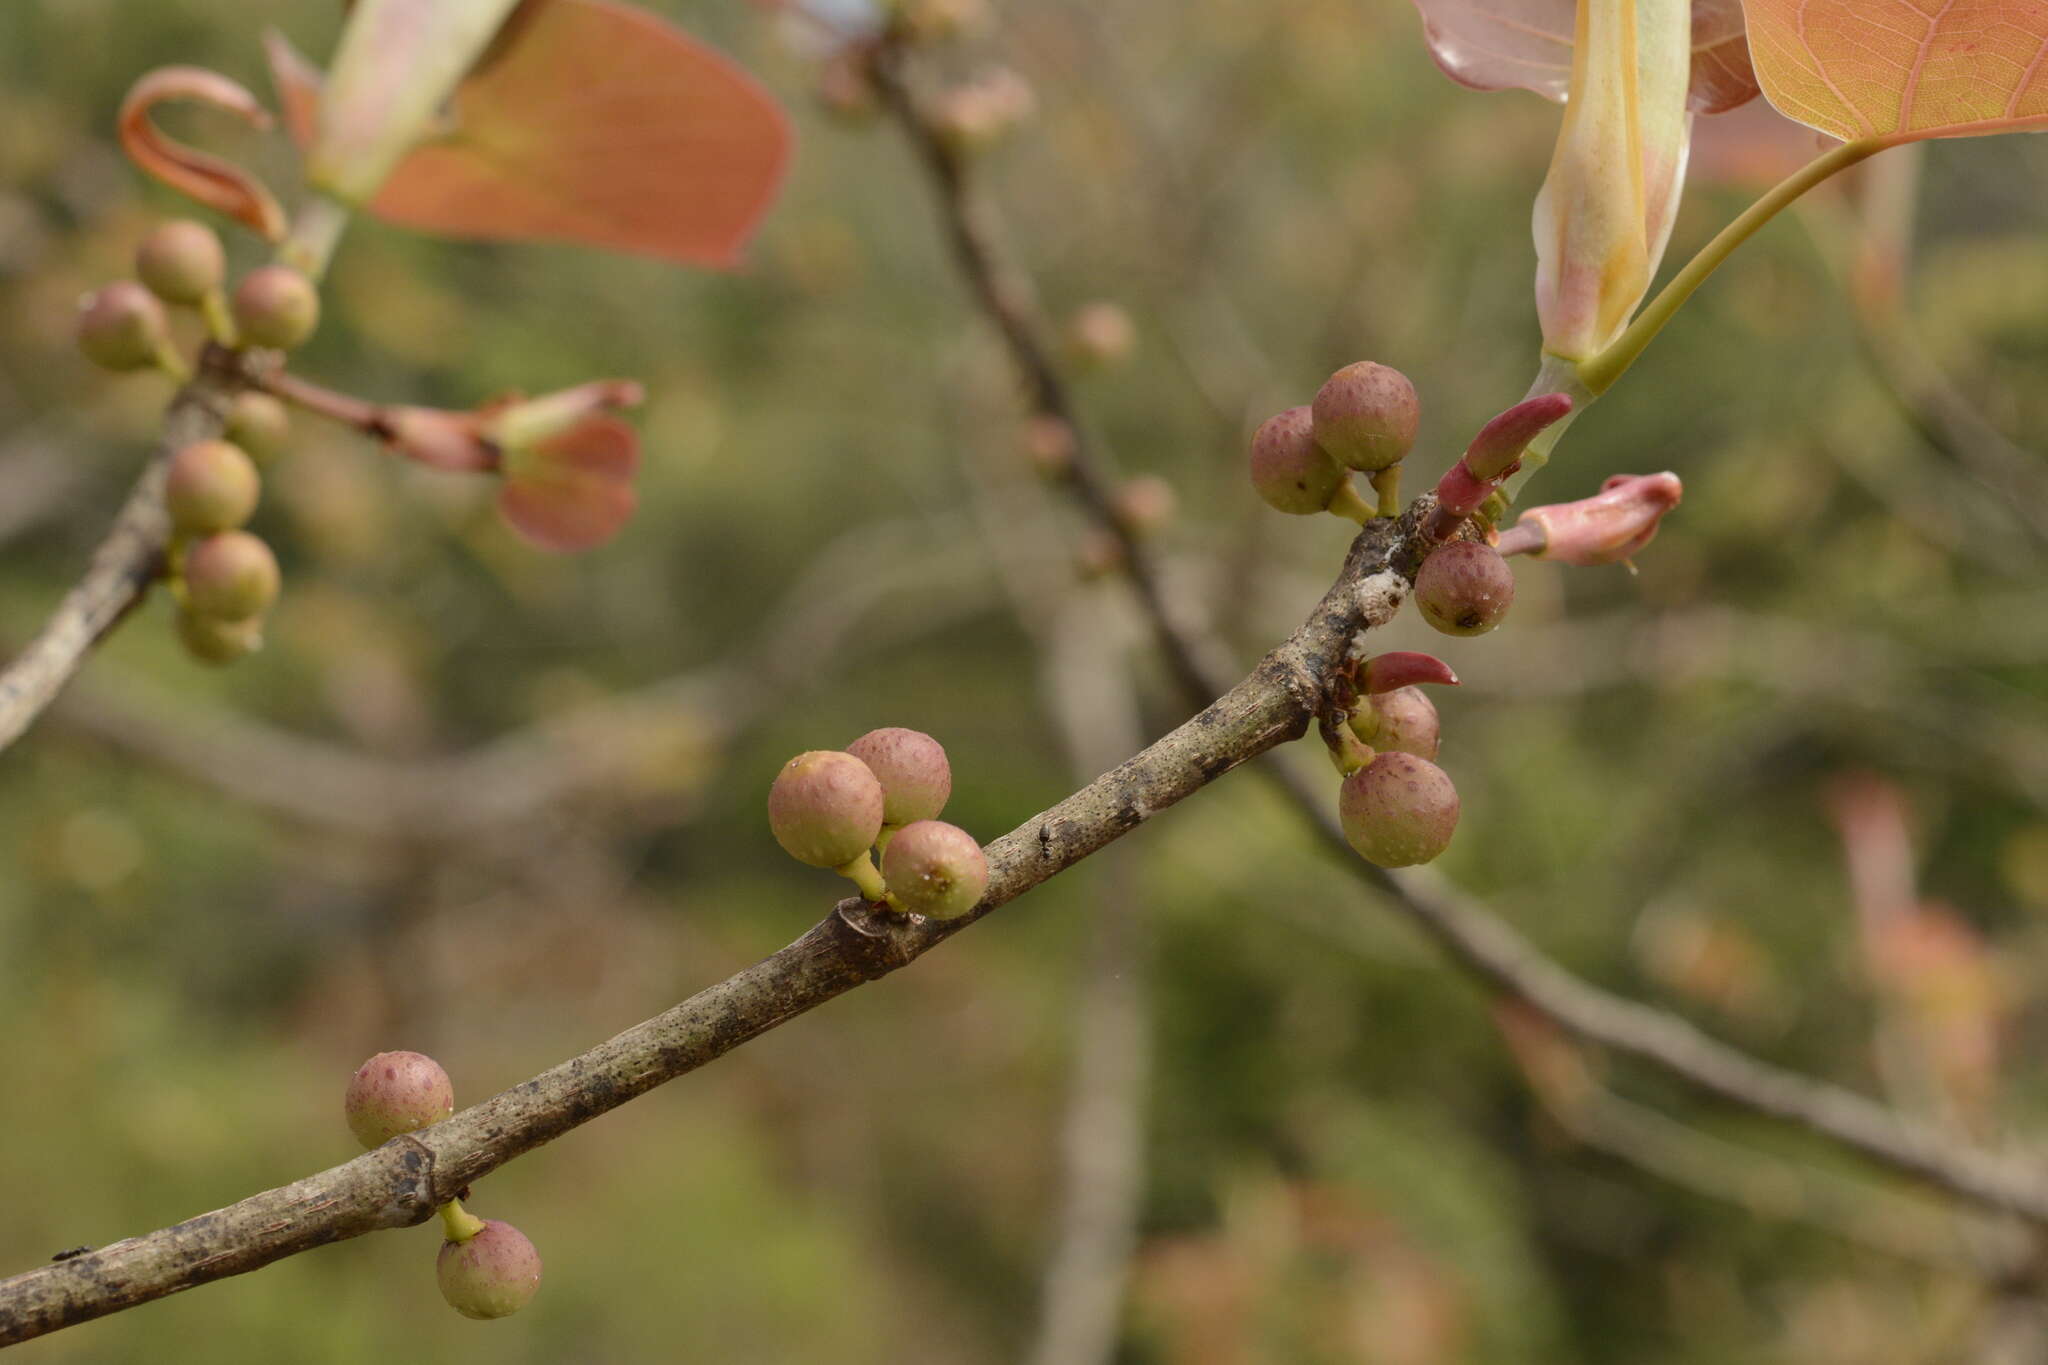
pixel 1500 443
pixel 1405 668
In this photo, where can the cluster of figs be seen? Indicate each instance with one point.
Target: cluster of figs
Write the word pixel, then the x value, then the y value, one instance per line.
pixel 1397 806
pixel 224 578
pixel 486 1268
pixel 835 808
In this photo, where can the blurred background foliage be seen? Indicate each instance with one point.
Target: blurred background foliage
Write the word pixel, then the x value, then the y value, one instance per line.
pixel 230 887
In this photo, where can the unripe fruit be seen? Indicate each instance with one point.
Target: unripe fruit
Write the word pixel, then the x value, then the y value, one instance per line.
pixel 935 869
pixel 1398 810
pixel 260 425
pixel 121 327
pixel 210 486
pixel 232 576
pixel 1101 335
pixel 825 808
pixel 276 306
pixel 1145 505
pixel 181 261
pixel 396 1092
pixel 1048 443
pixel 1290 471
pixel 1366 416
pixel 492 1275
pixel 912 768
pixel 1403 720
pixel 1464 588
pixel 214 641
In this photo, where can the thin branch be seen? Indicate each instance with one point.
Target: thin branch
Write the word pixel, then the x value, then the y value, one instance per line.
pixel 527 772
pixel 1486 947
pixel 126 562
pixel 402 1182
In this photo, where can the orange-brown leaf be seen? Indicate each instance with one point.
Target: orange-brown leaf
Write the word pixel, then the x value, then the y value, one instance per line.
pixel 199 175
pixel 1901 70
pixel 573 491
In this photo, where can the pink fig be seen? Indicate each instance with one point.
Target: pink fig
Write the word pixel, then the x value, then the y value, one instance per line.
pixel 1464 588
pixel 912 768
pixel 1398 810
pixel 394 1093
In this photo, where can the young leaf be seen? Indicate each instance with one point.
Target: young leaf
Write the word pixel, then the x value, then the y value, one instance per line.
pixel 573 491
pixel 1527 45
pixel 1893 71
pixel 595 123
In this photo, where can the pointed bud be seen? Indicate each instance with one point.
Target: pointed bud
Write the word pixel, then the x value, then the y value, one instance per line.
pixel 1611 526
pixel 1405 668
pixel 1606 208
pixel 396 66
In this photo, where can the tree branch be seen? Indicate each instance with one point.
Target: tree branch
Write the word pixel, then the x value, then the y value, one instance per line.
pixel 1483 945
pixel 126 562
pixel 402 1182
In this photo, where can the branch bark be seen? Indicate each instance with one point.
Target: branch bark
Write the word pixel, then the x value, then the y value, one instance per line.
pixel 404 1181
pixel 127 561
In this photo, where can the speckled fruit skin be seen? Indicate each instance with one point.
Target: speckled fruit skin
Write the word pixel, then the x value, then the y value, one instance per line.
pixel 181 261
pixel 120 327
pixel 492 1275
pixel 1464 588
pixel 825 808
pixel 396 1092
pixel 276 306
pixel 211 486
pixel 912 768
pixel 1403 720
pixel 1289 470
pixel 232 576
pixel 1398 810
pixel 935 869
pixel 1366 416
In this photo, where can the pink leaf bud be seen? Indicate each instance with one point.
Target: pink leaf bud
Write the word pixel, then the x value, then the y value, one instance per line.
pixel 1404 668
pixel 1612 525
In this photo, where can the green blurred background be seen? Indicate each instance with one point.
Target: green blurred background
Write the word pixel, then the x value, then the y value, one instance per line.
pixel 214 913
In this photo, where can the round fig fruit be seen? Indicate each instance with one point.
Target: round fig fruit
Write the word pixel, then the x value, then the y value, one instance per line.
pixel 826 808
pixel 1290 471
pixel 122 327
pixel 214 641
pixel 396 1092
pixel 1464 588
pixel 935 869
pixel 181 261
pixel 232 576
pixel 912 768
pixel 1398 810
pixel 1366 415
pixel 276 306
pixel 492 1275
pixel 1403 720
pixel 260 425
pixel 210 486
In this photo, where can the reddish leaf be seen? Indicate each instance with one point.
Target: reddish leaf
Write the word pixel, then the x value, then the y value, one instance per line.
pixel 596 123
pixel 575 490
pixel 205 178
pixel 1527 45
pixel 1900 70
